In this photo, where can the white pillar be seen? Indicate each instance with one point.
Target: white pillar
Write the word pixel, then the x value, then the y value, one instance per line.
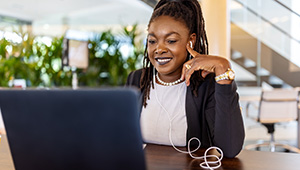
pixel 217 24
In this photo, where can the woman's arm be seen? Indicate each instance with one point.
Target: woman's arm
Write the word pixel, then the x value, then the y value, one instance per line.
pixel 223 112
pixel 228 127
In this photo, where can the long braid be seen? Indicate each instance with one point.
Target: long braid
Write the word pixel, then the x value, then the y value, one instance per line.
pixel 147 76
pixel 188 11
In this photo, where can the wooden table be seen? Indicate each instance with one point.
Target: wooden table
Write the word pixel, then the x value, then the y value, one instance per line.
pixel 166 158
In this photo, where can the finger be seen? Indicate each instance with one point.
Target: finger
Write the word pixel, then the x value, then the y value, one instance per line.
pixel 188 74
pixel 191 51
pixel 185 68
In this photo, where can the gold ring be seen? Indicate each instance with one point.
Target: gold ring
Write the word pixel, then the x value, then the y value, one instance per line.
pixel 187 66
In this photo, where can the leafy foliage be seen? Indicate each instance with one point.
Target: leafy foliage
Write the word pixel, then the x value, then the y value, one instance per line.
pixel 40 63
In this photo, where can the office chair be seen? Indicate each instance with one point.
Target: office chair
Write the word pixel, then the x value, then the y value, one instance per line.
pixel 279 105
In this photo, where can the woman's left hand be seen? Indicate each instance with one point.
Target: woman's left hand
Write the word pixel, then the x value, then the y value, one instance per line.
pixel 206 63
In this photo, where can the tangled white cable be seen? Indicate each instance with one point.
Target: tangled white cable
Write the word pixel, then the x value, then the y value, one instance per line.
pixel 206 164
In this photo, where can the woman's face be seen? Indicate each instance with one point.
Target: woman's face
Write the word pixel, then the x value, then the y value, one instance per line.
pixel 167 40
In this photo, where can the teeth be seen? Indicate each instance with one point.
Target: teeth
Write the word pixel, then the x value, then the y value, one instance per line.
pixel 163 60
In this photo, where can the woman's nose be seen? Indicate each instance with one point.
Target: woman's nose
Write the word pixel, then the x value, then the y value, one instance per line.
pixel 160 49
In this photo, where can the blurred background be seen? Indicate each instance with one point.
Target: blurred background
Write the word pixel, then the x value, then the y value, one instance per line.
pixel 96 43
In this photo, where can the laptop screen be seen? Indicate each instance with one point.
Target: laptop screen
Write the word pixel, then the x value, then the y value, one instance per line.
pixel 67 129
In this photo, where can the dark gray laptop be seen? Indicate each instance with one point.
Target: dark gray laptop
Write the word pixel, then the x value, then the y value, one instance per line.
pixel 67 129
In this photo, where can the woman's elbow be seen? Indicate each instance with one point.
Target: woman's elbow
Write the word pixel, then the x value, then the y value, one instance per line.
pixel 232 153
pixel 235 147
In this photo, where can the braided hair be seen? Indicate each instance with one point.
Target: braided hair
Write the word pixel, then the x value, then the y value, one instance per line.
pixel 189 12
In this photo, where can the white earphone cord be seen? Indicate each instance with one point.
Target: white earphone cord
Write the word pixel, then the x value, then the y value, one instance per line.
pixel 206 164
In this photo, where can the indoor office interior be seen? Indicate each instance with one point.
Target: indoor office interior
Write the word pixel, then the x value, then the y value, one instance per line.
pixel 63 44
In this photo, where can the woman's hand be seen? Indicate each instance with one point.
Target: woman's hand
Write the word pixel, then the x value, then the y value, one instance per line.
pixel 207 63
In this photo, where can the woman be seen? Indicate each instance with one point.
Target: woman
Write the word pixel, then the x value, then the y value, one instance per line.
pixel 186 92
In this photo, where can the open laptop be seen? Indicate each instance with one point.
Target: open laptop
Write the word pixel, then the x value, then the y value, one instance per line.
pixel 67 129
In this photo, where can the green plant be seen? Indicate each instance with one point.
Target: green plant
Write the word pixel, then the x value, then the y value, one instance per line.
pixel 36 62
pixel 49 63
pixel 40 63
pixel 13 63
pixel 107 65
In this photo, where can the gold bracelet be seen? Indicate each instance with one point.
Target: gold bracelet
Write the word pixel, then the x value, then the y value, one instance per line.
pixel 228 75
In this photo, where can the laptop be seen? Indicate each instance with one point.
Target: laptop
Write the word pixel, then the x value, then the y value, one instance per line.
pixel 67 129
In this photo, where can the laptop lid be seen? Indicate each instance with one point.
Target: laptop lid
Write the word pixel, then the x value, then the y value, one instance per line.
pixel 67 129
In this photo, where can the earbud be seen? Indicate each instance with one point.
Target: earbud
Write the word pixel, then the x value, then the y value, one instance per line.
pixel 191 44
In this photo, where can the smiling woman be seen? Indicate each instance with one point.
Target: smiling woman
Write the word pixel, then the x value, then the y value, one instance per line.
pixel 186 93
pixel 166 47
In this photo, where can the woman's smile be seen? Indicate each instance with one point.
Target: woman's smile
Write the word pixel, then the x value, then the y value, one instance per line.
pixel 163 60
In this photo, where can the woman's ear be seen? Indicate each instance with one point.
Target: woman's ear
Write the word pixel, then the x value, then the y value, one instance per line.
pixel 193 39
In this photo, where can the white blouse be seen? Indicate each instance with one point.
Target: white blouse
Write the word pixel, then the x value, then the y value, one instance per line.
pixel 166 105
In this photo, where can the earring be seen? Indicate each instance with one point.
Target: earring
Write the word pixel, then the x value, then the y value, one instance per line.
pixel 191 45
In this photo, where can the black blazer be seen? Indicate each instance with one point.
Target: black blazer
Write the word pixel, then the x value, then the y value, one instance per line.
pixel 214 116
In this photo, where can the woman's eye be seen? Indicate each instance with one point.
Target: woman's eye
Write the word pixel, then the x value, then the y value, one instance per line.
pixel 172 41
pixel 151 41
